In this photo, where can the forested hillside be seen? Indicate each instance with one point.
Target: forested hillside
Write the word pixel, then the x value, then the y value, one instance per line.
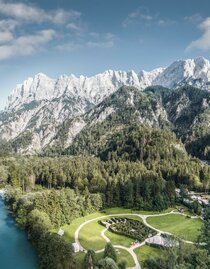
pixel 139 167
pixel 183 111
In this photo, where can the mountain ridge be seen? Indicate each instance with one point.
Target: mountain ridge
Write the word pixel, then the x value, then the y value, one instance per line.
pixel 42 87
pixel 40 107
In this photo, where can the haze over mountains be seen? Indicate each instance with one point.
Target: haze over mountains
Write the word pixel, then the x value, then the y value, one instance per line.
pixel 38 109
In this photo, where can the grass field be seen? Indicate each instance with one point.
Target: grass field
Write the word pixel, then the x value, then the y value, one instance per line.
pixel 123 254
pixel 90 236
pixel 181 226
pixel 70 229
pixel 117 239
pixel 143 253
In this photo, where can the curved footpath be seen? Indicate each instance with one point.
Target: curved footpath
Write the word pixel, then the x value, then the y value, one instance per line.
pixel 130 249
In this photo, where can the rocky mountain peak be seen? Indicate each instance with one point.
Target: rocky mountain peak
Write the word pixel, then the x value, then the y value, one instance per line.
pixel 40 105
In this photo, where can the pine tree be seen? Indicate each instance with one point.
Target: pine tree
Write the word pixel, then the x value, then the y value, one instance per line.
pixel 89 260
pixel 110 252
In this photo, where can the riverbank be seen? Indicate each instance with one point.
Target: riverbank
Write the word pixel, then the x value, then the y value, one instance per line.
pixel 2 193
pixel 15 249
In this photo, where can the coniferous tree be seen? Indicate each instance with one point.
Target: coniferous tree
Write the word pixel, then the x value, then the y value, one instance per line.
pixel 110 252
pixel 89 260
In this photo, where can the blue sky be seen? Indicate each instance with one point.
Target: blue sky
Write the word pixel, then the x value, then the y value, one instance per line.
pixel 89 36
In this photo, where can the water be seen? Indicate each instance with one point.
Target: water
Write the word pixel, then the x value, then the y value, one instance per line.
pixel 15 250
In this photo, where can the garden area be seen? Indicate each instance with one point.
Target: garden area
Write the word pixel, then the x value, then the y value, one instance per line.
pixel 126 226
pixel 132 228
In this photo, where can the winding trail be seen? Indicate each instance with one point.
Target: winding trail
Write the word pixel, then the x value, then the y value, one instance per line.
pixel 130 249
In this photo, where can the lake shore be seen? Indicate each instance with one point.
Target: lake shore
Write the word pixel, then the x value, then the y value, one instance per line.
pixel 2 193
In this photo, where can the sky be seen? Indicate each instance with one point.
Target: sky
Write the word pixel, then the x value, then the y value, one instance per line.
pixel 87 37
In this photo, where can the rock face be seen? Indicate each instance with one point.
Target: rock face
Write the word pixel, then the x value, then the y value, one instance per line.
pixel 40 107
pixel 90 89
pixel 192 72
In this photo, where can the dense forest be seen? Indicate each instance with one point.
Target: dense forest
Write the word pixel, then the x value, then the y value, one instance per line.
pixel 42 211
pixel 136 169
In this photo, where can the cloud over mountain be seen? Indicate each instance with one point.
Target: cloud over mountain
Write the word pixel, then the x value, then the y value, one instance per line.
pixel 203 42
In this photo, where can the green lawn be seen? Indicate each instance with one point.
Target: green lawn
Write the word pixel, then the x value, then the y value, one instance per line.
pixel 123 254
pixel 117 239
pixel 144 252
pixel 90 236
pixel 178 225
pixel 70 229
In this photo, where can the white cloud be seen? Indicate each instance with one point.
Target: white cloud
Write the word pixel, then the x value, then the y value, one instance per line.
pixel 91 40
pixel 165 22
pixel 203 42
pixel 30 13
pixel 105 41
pixel 8 25
pixel 26 45
pixel 5 37
pixel 100 44
pixel 94 34
pixel 41 37
pixel 19 21
pixel 61 16
pixel 195 18
pixel 136 17
pixel 74 27
pixel 70 46
pixel 143 16
pixel 18 35
pixel 22 11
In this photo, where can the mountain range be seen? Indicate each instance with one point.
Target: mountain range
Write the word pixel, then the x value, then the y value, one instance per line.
pixel 44 113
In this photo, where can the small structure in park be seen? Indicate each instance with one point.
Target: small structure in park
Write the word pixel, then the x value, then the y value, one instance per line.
pixel 75 247
pixel 161 240
pixel 61 232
